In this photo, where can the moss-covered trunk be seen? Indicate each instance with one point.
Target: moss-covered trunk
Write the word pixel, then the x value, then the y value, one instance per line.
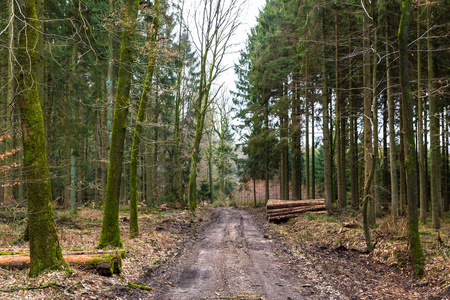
pixel 45 251
pixel 110 235
pixel 415 247
pixel 134 226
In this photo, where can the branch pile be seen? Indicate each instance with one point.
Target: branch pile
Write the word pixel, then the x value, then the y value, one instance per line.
pixel 278 210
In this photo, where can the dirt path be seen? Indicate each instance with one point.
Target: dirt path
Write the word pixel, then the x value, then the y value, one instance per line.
pixel 232 259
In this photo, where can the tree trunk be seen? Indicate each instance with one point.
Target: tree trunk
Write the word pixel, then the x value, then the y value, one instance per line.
pixel 307 146
pixel 134 226
pixel 313 153
pixel 210 171
pixel 415 247
pixel 420 108
pixel 327 163
pixel 295 146
pixel 435 163
pixel 340 128
pixel 45 251
pixel 110 235
pixel 368 120
pixel 391 116
pixel 376 191
pixel 8 193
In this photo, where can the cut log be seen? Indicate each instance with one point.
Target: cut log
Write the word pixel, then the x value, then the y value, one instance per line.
pixel 282 211
pixel 277 210
pixel 103 264
pixel 276 204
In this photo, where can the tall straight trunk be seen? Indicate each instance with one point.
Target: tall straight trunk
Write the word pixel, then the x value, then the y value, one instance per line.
pixel 444 164
pixel 266 150
pixel 108 110
pixel 376 191
pixel 340 126
pixel 435 162
pixel 148 175
pixel 391 115
pixel 422 148
pixel 327 163
pixel 155 148
pixel 447 174
pixel 296 149
pixel 45 250
pixel 313 153
pixel 368 134
pixel 307 146
pixel 415 247
pixel 134 226
pixel 179 193
pixel 8 192
pixel 353 147
pixel 42 70
pixel 401 158
pixel 386 177
pixel 254 187
pixel 284 145
pixel 210 170
pixel 110 235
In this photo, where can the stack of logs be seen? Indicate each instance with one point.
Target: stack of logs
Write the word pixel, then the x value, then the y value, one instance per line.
pixel 278 210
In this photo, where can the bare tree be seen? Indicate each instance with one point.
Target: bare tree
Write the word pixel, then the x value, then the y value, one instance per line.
pixel 215 22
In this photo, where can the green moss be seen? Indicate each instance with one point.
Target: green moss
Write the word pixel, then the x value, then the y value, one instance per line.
pixel 140 287
pixel 11 252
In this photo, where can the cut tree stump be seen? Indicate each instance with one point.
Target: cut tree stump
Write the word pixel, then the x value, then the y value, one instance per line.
pixel 278 210
pixel 104 264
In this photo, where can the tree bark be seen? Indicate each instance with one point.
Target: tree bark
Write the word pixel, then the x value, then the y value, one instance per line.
pixel 368 120
pixel 110 235
pixel 134 226
pixel 45 251
pixel 327 167
pixel 422 148
pixel 435 163
pixel 415 247
pixel 8 192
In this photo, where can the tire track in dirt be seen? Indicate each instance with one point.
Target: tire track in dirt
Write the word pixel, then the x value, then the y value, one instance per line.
pixel 232 259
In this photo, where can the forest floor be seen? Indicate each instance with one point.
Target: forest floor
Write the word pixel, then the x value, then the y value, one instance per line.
pixel 231 253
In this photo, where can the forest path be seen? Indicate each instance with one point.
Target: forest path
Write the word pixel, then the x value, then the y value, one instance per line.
pixel 231 259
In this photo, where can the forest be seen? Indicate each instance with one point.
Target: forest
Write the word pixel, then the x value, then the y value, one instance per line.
pixel 122 107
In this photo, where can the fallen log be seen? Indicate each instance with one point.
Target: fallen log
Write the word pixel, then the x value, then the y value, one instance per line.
pixel 76 251
pixel 284 217
pixel 282 211
pixel 276 204
pixel 103 264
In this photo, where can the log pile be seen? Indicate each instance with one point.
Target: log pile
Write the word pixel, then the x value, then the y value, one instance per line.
pixel 104 263
pixel 278 210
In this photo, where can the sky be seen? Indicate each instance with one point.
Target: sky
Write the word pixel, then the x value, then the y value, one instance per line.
pixel 248 21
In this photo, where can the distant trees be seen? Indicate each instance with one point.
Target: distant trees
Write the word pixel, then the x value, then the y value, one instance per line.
pixel 344 56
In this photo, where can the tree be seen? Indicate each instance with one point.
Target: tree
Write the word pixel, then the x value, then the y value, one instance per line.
pixel 435 163
pixel 415 247
pixel 134 227
pixel 215 22
pixel 45 251
pixel 110 235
